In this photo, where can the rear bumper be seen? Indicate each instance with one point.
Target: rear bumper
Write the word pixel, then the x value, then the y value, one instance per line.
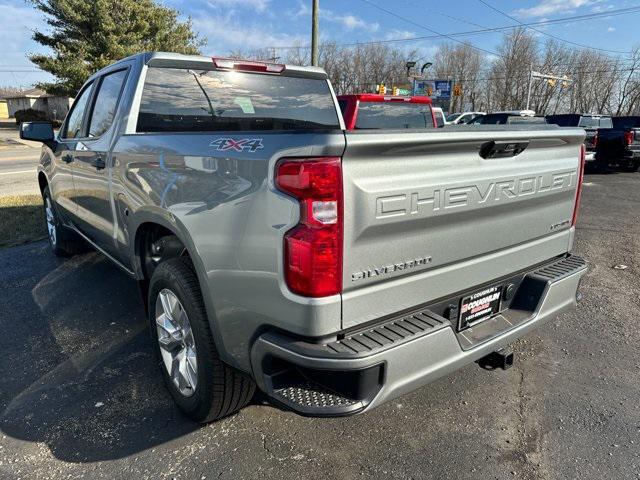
pixel 615 155
pixel 371 366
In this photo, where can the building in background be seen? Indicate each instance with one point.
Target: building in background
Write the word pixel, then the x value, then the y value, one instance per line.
pixel 55 107
pixel 4 110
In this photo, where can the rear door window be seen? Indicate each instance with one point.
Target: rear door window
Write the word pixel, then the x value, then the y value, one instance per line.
pixel 182 100
pixel 375 115
pixel 106 102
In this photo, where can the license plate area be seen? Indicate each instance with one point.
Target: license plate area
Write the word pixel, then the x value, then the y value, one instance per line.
pixel 479 306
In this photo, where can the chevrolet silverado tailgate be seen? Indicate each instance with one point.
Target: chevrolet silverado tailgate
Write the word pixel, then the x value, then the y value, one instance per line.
pixel 429 214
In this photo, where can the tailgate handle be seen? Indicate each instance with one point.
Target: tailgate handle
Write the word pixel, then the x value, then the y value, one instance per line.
pixel 503 148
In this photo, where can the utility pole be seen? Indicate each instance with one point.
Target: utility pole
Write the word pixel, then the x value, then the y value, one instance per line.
pixel 314 33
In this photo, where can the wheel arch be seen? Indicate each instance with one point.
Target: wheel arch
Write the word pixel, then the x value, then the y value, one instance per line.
pixel 43 181
pixel 154 218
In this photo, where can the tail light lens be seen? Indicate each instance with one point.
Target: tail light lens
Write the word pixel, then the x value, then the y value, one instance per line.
pixel 595 139
pixel 579 186
pixel 313 248
pixel 628 137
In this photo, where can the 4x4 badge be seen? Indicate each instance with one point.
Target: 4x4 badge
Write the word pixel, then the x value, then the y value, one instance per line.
pixel 242 145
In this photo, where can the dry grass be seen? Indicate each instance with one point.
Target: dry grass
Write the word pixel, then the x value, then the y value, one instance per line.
pixel 21 219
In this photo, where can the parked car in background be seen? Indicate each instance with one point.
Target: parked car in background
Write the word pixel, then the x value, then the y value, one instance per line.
pixel 591 124
pixel 515 117
pixel 462 118
pixel 441 119
pixel 620 145
pixel 333 269
pixel 367 111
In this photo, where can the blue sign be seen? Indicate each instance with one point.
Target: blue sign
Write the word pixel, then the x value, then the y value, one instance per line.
pixel 436 89
pixel 443 88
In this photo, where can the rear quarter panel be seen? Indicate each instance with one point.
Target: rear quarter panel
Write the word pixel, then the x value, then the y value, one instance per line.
pixel 223 205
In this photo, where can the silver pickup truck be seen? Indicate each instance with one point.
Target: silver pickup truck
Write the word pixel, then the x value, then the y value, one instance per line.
pixel 335 270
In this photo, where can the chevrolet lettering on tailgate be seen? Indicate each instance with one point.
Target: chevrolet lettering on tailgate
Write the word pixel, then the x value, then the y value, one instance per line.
pixel 429 201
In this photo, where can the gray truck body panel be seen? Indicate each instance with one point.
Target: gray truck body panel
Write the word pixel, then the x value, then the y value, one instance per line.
pixel 425 216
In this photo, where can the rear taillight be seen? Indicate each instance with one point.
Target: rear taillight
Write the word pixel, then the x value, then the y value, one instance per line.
pixel 313 248
pixel 579 186
pixel 595 140
pixel 628 137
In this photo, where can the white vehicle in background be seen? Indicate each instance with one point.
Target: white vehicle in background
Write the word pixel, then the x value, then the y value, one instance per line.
pixel 438 114
pixel 522 113
pixel 463 118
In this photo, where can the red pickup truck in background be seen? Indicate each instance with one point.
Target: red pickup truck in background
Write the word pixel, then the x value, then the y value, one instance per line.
pixel 371 111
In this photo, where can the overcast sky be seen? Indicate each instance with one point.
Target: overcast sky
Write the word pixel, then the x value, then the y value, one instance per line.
pixel 233 24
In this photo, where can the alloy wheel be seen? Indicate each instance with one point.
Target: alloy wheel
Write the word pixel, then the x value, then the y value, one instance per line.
pixel 51 221
pixel 177 345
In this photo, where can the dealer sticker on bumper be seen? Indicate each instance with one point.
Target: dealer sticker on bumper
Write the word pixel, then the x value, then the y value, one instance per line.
pixel 479 306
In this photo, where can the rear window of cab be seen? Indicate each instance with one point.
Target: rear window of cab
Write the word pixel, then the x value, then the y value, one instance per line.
pixel 183 100
pixel 393 115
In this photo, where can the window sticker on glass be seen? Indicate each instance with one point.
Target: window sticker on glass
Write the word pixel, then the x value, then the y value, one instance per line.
pixel 245 104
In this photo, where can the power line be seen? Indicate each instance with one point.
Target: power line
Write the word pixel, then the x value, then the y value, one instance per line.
pixel 542 32
pixel 575 72
pixel 574 18
pixel 450 37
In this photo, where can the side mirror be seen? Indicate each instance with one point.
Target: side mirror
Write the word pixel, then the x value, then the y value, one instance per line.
pixel 36 131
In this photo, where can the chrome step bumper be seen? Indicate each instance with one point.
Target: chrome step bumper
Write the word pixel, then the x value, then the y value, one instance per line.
pixel 365 368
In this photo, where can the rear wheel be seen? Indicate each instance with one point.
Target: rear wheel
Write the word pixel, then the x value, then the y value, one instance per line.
pixel 63 241
pixel 203 386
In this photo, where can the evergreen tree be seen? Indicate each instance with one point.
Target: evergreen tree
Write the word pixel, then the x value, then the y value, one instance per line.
pixel 87 35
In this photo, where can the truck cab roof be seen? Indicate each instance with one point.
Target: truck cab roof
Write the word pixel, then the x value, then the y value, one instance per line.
pixel 201 62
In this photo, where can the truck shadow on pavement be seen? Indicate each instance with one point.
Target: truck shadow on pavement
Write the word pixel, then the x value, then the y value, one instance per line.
pixel 80 373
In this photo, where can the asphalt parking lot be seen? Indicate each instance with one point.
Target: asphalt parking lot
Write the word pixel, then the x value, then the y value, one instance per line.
pixel 80 396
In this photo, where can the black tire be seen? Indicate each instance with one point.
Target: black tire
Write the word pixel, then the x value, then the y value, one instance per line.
pixel 220 390
pixel 63 242
pixel 596 167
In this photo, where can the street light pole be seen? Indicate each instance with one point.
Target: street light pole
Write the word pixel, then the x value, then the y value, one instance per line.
pixel 529 88
pixel 314 33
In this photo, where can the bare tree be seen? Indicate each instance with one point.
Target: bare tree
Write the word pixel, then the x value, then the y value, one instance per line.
pixel 597 82
pixel 509 73
pixel 460 63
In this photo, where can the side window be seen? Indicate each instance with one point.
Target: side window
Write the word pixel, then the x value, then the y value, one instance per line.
pixel 73 127
pixel 106 102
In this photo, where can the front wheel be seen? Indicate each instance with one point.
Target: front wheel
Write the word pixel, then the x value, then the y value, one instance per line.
pixel 203 387
pixel 63 241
